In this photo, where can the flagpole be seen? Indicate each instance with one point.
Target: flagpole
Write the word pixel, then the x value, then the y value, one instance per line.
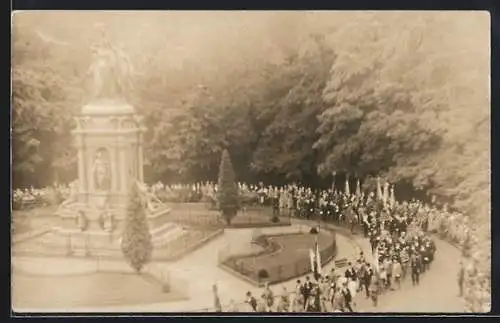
pixel 318 257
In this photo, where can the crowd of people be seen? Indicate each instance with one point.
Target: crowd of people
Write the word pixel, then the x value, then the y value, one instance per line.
pixel 356 210
pixel 399 235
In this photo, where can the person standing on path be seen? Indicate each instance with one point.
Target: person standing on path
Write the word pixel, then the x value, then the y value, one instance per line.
pixel 306 290
pixel 373 289
pixel 338 303
pixel 415 269
pixel 347 297
pixel 217 303
pixel 461 278
pixel 397 271
pixel 251 301
pixel 284 301
pixel 269 295
pixel 367 279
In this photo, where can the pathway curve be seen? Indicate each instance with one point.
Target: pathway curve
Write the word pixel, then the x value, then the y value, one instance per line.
pixel 200 269
pixel 437 291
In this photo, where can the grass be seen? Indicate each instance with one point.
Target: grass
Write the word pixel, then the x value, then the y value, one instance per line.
pixel 89 290
pixel 198 214
pixel 286 256
pixel 26 220
pixel 190 214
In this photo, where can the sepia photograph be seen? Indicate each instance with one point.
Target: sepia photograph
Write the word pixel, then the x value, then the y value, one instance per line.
pixel 250 162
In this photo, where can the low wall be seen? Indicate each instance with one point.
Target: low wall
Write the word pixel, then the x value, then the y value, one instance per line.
pixel 276 273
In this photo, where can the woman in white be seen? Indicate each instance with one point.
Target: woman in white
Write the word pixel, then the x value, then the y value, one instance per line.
pixel 397 272
pixel 383 277
pixel 352 285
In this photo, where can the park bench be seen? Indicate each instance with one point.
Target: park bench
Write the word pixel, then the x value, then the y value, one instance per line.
pixel 340 263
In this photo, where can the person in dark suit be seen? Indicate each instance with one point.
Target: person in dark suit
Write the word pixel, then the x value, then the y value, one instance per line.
pixel 350 272
pixel 306 290
pixel 367 278
pixel 416 265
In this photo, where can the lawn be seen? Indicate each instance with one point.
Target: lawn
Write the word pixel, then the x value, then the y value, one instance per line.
pixel 286 256
pixel 198 214
pixel 87 290
pixel 191 214
pixel 51 244
pixel 29 219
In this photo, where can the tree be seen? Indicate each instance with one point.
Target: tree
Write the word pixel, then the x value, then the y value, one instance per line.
pixel 227 193
pixel 136 239
pixel 288 117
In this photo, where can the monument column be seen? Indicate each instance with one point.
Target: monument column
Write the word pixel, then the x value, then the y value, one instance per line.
pixel 123 165
pixel 81 163
pixel 140 170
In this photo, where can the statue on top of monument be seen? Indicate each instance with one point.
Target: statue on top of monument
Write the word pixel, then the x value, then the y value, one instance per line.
pixel 110 71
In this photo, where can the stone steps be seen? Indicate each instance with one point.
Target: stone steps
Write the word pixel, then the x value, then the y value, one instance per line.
pixel 161 241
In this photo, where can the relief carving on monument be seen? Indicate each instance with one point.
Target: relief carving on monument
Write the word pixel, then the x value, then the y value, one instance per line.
pixel 68 204
pixel 101 170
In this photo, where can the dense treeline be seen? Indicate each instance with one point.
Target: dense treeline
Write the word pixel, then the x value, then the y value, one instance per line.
pixel 355 95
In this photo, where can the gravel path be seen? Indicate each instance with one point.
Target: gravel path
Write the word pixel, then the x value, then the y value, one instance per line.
pixel 437 291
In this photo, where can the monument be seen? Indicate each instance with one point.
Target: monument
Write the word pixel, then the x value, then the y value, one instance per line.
pixel 109 141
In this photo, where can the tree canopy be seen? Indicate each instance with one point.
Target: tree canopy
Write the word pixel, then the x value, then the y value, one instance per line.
pixel 292 96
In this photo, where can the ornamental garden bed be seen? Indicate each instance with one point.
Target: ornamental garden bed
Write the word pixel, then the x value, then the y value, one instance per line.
pixel 285 256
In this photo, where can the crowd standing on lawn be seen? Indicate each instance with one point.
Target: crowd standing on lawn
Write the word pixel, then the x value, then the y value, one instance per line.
pixel 399 235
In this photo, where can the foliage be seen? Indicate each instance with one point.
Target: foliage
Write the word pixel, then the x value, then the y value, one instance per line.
pixel 227 193
pixel 288 115
pixel 136 243
pixel 364 93
pixel 42 98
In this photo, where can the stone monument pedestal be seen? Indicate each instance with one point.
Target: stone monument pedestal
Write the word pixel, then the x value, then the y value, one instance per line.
pixel 108 137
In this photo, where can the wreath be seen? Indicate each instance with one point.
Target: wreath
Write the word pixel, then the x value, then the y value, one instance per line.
pixel 82 221
pixel 103 218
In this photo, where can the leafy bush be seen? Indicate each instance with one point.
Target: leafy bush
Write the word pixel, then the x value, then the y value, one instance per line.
pixel 263 274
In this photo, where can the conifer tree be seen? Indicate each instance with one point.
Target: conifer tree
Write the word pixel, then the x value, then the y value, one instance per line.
pixel 227 193
pixel 136 244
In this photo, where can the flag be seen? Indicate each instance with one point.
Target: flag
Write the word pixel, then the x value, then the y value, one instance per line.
pixel 358 188
pixel 385 196
pixel 379 190
pixel 375 260
pixel 311 258
pixel 333 181
pixel 347 191
pixel 318 258
pixel 392 198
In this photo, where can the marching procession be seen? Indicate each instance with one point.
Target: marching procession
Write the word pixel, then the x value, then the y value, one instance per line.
pixel 399 237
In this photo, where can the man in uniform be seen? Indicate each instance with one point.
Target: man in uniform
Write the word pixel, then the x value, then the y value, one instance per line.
pixel 415 265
